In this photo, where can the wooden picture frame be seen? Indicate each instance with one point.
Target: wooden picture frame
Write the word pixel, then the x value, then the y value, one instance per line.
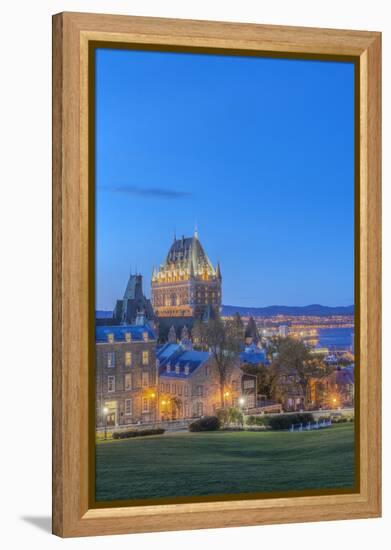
pixel 72 291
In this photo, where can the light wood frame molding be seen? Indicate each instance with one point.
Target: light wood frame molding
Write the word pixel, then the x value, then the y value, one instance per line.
pixel 72 33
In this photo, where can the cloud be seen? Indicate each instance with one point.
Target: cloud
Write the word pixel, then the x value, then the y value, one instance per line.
pixel 147 192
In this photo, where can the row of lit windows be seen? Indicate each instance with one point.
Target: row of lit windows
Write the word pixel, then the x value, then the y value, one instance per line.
pixel 145 407
pixel 129 406
pixel 128 337
pixel 177 369
pixel 128 358
pixel 145 380
pixel 175 389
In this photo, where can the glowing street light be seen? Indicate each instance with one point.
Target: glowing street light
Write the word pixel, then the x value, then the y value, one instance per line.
pixel 242 401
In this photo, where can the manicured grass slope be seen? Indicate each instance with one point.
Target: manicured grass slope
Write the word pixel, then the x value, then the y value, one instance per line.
pixel 185 464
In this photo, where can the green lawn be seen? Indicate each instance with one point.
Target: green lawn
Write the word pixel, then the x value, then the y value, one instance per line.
pixel 188 464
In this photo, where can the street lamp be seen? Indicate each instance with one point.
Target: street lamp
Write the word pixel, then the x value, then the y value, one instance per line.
pixel 242 401
pixel 105 411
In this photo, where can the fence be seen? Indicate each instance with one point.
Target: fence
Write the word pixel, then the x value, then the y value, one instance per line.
pixel 310 426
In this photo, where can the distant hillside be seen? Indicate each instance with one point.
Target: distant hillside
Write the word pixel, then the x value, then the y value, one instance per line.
pixel 100 314
pixel 314 309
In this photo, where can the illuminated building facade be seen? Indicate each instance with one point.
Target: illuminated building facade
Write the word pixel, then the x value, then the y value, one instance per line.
pixel 186 284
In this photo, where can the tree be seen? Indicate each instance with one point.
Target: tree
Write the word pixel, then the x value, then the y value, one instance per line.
pixel 238 326
pixel 265 377
pixel 295 359
pixel 223 342
pixel 176 405
pixel 198 333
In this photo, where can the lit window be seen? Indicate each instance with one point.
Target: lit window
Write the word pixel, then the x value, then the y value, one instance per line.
pixel 145 357
pixel 110 338
pixel 128 337
pixel 111 359
pixel 111 383
pixel 128 381
pixel 128 407
pixel 145 404
pixel 145 379
pixel 128 358
pixel 145 336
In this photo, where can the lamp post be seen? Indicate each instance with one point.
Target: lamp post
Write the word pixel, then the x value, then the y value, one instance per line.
pixel 105 411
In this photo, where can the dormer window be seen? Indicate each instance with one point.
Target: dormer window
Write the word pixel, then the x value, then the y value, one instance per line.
pixel 128 337
pixel 110 338
pixel 145 336
pixel 168 368
pixel 177 369
pixel 187 370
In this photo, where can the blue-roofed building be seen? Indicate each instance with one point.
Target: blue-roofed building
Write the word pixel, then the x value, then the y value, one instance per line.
pixel 189 383
pixel 126 374
pixel 253 355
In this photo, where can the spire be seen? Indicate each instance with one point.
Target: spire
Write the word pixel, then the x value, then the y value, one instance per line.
pixel 218 271
pixel 172 335
pixel 196 230
pixel 191 270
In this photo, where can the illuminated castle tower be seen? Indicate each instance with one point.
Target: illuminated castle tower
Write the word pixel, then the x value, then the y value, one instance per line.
pixel 187 284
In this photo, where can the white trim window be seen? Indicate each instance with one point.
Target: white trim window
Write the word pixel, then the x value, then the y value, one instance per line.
pixel 128 407
pixel 145 379
pixel 110 338
pixel 128 358
pixel 110 359
pixel 145 357
pixel 111 384
pixel 128 382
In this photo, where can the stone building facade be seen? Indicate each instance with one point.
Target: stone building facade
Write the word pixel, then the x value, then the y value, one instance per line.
pixel 126 374
pixel 186 285
pixel 189 385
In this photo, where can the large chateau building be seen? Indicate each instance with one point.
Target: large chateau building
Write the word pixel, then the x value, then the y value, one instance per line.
pixel 186 285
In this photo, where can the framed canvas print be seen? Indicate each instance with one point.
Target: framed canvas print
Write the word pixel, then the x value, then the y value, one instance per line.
pixel 216 268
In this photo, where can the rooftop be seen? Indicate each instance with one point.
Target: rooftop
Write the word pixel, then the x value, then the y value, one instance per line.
pixel 120 332
pixel 178 358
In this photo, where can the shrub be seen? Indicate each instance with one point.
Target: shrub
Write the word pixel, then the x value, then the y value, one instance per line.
pixel 285 421
pixel 223 417
pixel 205 424
pixel 138 433
pixel 251 420
pixel 262 420
pixel 236 416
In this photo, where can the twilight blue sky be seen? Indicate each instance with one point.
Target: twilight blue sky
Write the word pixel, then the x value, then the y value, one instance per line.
pixel 258 152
